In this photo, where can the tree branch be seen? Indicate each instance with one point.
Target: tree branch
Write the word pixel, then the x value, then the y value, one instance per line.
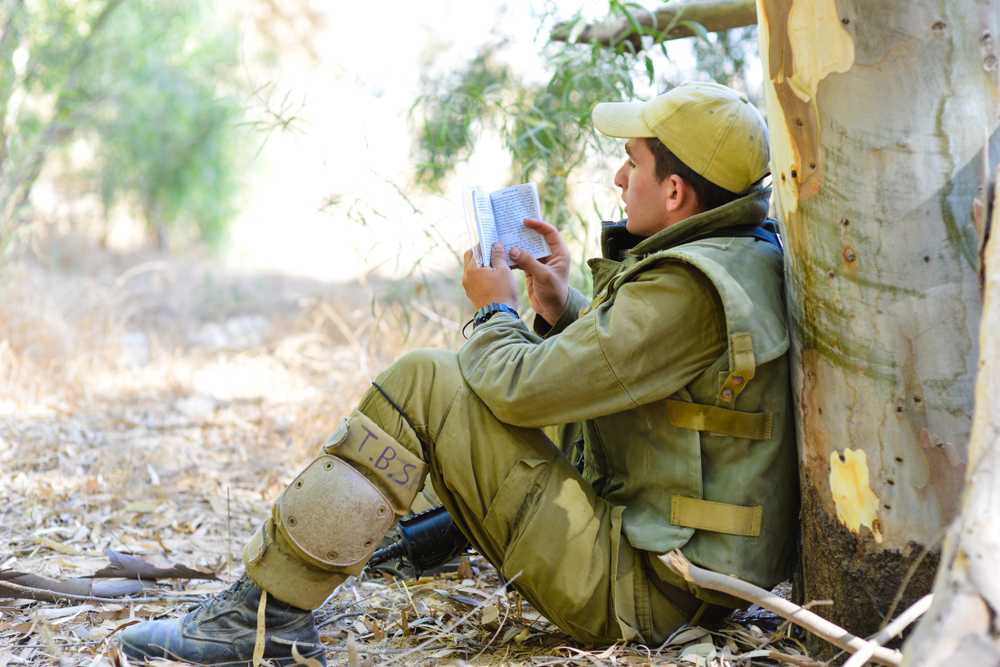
pixel 666 22
pixel 900 623
pixel 816 624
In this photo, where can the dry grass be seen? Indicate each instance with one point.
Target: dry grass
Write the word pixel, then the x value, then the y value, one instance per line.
pixel 156 406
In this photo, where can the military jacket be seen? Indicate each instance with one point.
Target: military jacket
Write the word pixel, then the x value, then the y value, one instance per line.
pixel 678 370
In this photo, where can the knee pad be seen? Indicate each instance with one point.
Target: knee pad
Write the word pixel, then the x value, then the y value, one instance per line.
pixel 337 509
pixel 333 514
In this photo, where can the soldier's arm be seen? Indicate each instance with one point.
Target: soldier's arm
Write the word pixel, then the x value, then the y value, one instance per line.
pixel 657 335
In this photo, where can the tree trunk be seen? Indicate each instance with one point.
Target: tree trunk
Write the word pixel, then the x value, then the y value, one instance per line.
pixel 879 116
pixel 960 628
pixel 665 23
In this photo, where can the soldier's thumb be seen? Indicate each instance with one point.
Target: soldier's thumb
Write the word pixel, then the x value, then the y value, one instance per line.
pixel 524 260
pixel 497 256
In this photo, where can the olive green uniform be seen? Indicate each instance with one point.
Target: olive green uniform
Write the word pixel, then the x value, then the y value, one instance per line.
pixel 677 370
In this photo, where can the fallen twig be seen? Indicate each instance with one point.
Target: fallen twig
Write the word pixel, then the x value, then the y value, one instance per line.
pixel 127 566
pixel 11 590
pixel 900 623
pixel 816 624
pixel 345 649
pixel 339 617
pixel 797 660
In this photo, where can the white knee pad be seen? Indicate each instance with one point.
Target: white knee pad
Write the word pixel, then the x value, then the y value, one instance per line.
pixel 333 514
pixel 338 508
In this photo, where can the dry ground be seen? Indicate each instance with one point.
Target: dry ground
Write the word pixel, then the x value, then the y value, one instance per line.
pixel 156 406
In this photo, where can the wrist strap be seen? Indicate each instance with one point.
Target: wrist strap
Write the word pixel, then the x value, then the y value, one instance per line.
pixel 486 312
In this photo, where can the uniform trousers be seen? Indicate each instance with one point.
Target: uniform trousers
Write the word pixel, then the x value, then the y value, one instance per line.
pixel 517 498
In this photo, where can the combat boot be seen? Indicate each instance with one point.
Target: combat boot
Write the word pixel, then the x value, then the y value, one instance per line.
pixel 222 629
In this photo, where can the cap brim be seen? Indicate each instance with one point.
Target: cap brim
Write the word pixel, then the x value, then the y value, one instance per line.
pixel 621 119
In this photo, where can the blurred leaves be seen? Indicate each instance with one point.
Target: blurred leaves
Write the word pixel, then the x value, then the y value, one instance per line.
pixel 543 118
pixel 454 111
pixel 165 137
pixel 726 57
pixel 545 126
pixel 697 28
pixel 137 85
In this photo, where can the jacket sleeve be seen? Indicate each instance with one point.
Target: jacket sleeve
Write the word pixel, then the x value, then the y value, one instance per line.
pixel 574 304
pixel 658 334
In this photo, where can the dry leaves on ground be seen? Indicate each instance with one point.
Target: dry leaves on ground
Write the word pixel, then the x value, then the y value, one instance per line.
pixel 155 409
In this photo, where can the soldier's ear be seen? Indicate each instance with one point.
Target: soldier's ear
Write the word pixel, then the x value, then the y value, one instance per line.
pixel 674 191
pixel 679 196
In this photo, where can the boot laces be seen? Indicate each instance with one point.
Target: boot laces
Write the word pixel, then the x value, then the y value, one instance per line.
pixel 215 599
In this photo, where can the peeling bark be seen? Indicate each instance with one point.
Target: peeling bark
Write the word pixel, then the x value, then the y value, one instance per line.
pixel 962 626
pixel 796 68
pixel 881 115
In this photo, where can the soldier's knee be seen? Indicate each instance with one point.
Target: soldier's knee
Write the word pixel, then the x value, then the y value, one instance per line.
pixel 428 361
pixel 418 372
pixel 334 513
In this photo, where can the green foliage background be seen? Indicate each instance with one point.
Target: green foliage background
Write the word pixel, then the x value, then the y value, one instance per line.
pixel 167 138
pixel 144 84
pixel 148 86
pixel 546 126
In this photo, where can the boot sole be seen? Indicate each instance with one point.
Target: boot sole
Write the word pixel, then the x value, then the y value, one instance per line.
pixel 141 658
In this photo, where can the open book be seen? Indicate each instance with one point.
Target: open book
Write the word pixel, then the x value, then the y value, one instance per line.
pixel 499 216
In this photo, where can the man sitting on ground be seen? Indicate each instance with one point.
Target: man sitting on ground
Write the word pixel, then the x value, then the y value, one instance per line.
pixel 677 369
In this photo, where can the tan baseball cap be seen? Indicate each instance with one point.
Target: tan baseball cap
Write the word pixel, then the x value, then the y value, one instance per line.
pixel 711 128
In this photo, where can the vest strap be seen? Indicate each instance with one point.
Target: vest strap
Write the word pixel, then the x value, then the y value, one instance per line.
pixel 736 424
pixel 744 365
pixel 716 517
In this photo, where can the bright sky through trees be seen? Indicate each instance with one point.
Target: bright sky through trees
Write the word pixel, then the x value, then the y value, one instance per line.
pixel 354 139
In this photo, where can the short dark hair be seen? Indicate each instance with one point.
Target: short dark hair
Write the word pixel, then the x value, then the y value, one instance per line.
pixel 708 194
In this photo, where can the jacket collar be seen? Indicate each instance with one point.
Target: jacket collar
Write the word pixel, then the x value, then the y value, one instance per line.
pixel 746 210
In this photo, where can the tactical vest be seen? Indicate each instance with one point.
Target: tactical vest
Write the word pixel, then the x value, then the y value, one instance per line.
pixel 724 457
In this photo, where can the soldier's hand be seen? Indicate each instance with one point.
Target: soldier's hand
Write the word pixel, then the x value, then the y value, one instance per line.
pixel 489 284
pixel 547 279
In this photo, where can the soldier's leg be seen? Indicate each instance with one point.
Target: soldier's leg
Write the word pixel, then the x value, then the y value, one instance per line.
pixel 330 519
pixel 322 529
pixel 510 490
pixel 522 504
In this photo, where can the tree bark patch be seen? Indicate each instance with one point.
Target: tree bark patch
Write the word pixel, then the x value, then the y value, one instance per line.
pixel 850 569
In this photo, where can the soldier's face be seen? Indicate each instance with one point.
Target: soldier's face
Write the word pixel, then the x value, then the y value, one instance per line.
pixel 645 198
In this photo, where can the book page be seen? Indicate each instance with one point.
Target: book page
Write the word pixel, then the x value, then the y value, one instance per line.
pixel 487 225
pixel 510 207
pixel 479 221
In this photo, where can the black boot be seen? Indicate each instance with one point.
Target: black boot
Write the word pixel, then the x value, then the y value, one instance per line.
pixel 222 629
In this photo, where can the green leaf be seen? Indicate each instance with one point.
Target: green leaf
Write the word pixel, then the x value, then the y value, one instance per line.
pixel 630 17
pixel 579 25
pixel 697 28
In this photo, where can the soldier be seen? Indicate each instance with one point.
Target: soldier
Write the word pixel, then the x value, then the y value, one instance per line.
pixel 677 369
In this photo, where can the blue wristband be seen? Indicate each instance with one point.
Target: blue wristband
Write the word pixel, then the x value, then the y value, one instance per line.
pixel 486 312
